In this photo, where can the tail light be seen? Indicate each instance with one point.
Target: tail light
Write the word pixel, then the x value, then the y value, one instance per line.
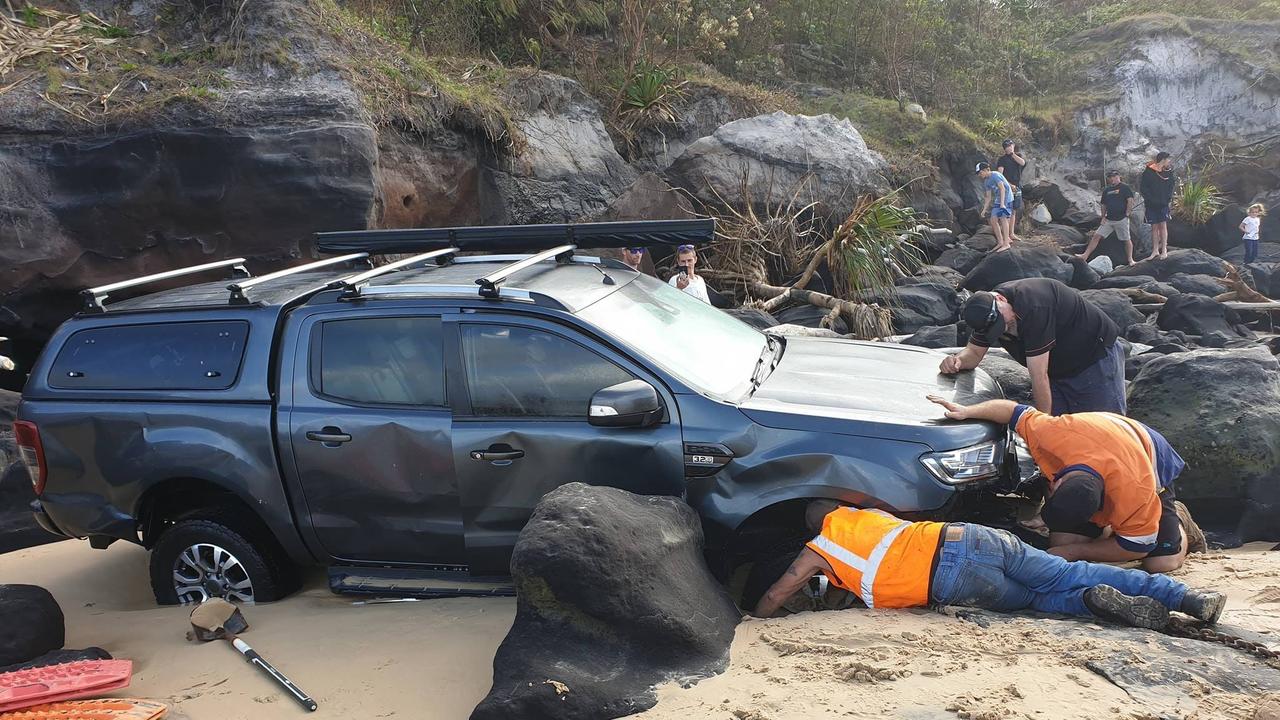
pixel 31 452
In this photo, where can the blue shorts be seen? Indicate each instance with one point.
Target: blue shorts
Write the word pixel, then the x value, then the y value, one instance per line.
pixel 1001 212
pixel 1097 388
pixel 1157 214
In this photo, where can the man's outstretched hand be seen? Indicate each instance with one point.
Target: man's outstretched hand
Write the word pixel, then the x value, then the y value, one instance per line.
pixel 953 411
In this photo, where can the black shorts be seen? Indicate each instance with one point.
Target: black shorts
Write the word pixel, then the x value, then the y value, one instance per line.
pixel 1168 538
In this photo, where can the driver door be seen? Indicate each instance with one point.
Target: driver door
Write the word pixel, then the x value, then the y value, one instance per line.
pixel 520 427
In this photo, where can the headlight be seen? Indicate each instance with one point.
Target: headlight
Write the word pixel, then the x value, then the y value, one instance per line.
pixel 976 462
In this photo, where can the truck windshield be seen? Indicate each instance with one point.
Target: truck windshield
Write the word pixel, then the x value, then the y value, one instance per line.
pixel 709 350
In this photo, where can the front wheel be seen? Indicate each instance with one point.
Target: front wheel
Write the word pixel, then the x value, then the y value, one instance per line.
pixel 198 559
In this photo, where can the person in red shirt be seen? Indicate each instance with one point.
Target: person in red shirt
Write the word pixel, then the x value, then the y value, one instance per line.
pixel 1110 482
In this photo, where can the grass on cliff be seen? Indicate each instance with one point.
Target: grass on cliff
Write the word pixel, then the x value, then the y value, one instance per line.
pixel 405 89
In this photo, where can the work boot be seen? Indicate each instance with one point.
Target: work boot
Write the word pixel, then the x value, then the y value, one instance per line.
pixel 1109 603
pixel 1203 605
pixel 1196 542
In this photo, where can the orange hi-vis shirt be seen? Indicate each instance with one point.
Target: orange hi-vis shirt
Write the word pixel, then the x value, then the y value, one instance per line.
pixel 883 560
pixel 1134 463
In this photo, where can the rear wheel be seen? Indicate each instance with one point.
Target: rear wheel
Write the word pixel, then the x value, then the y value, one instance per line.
pixel 200 558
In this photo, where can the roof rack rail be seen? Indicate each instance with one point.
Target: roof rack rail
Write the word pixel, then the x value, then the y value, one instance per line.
pixel 352 284
pixel 238 288
pixel 489 283
pixel 509 238
pixel 93 297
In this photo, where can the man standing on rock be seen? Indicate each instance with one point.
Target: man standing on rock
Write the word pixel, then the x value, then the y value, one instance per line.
pixel 685 279
pixel 1111 496
pixel 1010 165
pixel 999 199
pixel 891 563
pixel 1156 187
pixel 1117 203
pixel 1067 344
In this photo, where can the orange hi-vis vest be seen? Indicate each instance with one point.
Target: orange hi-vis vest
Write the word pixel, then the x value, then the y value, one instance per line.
pixel 883 560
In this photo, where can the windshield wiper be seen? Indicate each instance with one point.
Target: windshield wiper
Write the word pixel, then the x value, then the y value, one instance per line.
pixel 770 356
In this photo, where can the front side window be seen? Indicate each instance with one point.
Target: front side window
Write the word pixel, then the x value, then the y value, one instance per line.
pixel 382 361
pixel 160 356
pixel 521 372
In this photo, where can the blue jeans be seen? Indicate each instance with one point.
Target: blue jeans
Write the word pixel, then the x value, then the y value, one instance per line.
pixel 1098 388
pixel 1250 250
pixel 994 570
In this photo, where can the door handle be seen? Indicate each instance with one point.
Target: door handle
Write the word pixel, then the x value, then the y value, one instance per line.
pixel 492 455
pixel 329 436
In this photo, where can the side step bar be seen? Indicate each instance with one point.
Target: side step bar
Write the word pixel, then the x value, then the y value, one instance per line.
pixel 403 582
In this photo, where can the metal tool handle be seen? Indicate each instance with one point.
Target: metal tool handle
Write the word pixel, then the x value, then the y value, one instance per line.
pixel 254 658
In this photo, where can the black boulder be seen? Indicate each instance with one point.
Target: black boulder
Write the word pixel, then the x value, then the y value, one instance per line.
pixel 613 598
pixel 31 623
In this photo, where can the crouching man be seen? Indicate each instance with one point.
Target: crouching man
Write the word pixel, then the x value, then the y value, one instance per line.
pixel 1110 483
pixel 891 563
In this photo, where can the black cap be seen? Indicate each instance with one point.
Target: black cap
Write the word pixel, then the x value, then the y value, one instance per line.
pixel 982 166
pixel 1075 500
pixel 1007 142
pixel 1113 173
pixel 983 317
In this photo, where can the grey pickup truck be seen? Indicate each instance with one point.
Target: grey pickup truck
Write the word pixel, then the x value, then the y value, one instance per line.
pixel 398 423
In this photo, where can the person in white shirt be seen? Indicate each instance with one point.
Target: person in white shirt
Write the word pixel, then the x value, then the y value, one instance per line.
pixel 687 280
pixel 1251 227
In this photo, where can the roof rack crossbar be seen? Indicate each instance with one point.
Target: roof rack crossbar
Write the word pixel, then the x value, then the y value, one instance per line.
pixel 238 288
pixel 489 283
pixel 354 282
pixel 93 297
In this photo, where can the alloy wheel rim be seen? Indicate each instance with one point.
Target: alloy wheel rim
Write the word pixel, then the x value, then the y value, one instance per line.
pixel 205 570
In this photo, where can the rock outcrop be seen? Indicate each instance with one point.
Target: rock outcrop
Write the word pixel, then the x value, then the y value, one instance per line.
pixel 1197 315
pixel 569 167
pixel 1117 306
pixel 1221 410
pixel 613 597
pixel 1030 261
pixel 776 154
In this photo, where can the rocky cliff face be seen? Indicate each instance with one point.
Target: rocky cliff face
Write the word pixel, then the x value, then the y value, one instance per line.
pixel 1174 85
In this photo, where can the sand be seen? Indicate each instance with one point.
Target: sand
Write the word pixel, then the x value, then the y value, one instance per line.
pixel 429 660
pixel 923 664
pixel 432 659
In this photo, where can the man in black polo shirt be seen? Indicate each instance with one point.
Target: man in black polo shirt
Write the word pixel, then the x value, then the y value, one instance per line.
pixel 1010 165
pixel 1068 345
pixel 1117 203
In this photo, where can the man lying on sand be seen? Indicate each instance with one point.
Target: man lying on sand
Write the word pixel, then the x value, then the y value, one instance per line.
pixel 1110 482
pixel 891 563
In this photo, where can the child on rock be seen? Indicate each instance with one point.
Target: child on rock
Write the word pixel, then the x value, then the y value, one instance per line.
pixel 1251 226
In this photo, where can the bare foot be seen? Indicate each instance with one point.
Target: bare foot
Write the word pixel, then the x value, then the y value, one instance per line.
pixel 1149 258
pixel 1131 261
pixel 1164 255
pixel 1081 256
pixel 1002 249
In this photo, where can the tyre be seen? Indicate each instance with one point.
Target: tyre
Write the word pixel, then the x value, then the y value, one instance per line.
pixel 201 557
pixel 765 571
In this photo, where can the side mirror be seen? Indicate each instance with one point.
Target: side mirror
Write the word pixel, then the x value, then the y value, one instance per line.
pixel 633 403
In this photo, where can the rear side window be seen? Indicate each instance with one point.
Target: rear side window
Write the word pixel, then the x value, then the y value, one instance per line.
pixel 167 356
pixel 382 361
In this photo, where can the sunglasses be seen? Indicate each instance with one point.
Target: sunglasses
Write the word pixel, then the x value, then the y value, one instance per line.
pixel 684 248
pixel 637 251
